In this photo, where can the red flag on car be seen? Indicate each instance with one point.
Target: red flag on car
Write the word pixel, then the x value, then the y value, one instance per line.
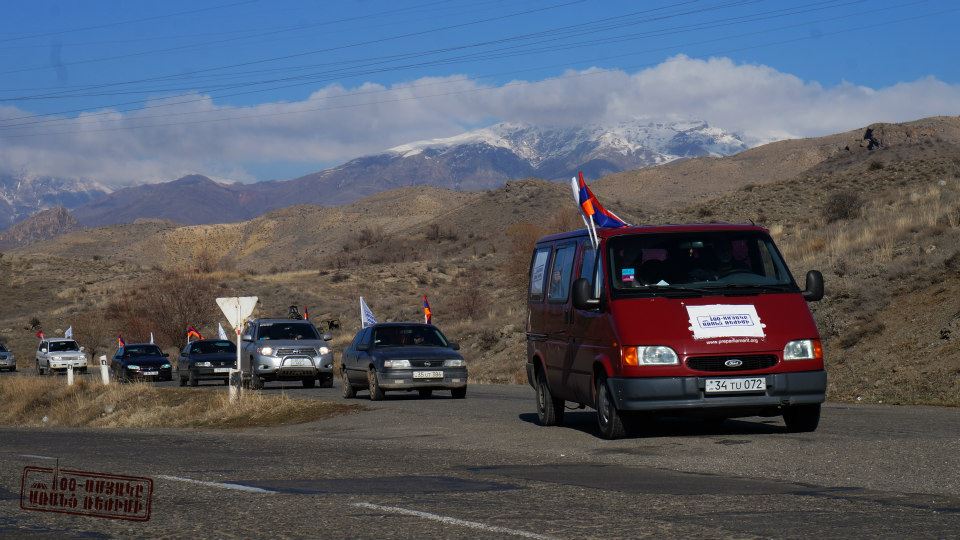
pixel 40 334
pixel 427 314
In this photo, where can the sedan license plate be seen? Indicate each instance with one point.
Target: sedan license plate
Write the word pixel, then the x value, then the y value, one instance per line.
pixel 221 370
pixel 427 374
pixel 151 372
pixel 721 386
pixel 299 362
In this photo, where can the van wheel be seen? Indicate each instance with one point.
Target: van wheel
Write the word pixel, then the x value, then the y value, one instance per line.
pixel 309 382
pixel 609 419
pixel 326 381
pixel 376 393
pixel 801 418
pixel 349 392
pixel 193 380
pixel 549 408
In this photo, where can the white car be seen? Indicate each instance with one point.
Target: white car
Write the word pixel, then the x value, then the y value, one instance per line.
pixel 7 360
pixel 58 354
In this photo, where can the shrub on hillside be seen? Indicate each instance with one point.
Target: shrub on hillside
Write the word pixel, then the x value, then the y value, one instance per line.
pixel 842 205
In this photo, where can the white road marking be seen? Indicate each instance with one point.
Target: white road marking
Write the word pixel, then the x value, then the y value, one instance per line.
pixel 453 521
pixel 34 456
pixel 235 487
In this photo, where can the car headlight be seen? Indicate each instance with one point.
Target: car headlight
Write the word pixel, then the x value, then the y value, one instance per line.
pixel 654 355
pixel 203 364
pixel 266 351
pixel 324 350
pixel 396 364
pixel 454 362
pixel 803 349
pixel 164 366
pixel 134 367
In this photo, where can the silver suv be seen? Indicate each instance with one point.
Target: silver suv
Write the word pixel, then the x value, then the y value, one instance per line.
pixel 286 350
pixel 7 359
pixel 58 354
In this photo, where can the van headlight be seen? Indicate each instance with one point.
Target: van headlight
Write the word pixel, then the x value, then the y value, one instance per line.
pixel 454 362
pixel 394 364
pixel 803 349
pixel 266 351
pixel 650 355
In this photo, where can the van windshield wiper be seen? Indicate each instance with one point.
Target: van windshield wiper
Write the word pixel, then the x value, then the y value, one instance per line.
pixel 749 287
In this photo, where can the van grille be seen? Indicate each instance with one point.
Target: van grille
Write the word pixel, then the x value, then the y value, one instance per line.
pixel 717 363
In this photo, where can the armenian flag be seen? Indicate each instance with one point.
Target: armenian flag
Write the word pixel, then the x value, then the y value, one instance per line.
pixel 427 314
pixel 120 342
pixel 40 334
pixel 193 333
pixel 591 208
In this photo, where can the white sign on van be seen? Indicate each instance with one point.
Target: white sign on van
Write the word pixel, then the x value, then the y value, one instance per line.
pixel 724 320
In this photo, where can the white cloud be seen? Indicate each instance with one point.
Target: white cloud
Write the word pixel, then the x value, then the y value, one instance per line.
pixel 335 123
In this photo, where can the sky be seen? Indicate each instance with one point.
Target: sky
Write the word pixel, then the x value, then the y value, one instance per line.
pixel 126 92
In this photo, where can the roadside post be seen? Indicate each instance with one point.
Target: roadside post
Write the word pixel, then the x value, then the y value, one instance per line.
pixel 236 309
pixel 104 370
pixel 69 375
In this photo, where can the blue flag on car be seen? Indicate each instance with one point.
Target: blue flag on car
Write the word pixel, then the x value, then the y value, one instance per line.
pixel 366 316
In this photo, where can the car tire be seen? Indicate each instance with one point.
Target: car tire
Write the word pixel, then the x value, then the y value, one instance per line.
pixel 192 379
pixel 309 382
pixel 373 383
pixel 347 389
pixel 458 393
pixel 183 380
pixel 326 381
pixel 425 392
pixel 256 383
pixel 609 419
pixel 549 409
pixel 801 418
pixel 39 369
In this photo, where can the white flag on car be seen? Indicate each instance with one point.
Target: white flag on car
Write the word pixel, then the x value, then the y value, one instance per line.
pixel 366 316
pixel 221 332
pixel 69 333
pixel 151 338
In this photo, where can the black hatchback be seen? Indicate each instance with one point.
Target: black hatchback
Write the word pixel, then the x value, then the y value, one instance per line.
pixel 403 356
pixel 143 361
pixel 206 359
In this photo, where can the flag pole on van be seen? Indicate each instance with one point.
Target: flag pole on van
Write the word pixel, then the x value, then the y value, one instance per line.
pixel 587 221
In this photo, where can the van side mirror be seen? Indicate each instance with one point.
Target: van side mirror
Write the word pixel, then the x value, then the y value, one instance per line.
pixel 814 290
pixel 81 349
pixel 582 295
pixel 327 337
pixel 454 345
pixel 166 355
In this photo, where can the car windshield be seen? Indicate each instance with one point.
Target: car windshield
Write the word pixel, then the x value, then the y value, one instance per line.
pixel 142 350
pixel 702 262
pixel 2 348
pixel 288 331
pixel 403 336
pixel 213 347
pixel 60 346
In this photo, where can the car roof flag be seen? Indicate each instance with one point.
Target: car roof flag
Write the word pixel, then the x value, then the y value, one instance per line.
pixel 69 332
pixel 120 342
pixel 221 333
pixel 40 334
pixel 427 314
pixel 193 333
pixel 591 211
pixel 366 316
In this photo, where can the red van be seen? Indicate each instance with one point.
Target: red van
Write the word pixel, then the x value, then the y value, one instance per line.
pixel 704 318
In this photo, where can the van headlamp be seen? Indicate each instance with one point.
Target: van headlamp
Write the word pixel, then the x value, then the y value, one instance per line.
pixel 803 349
pixel 650 355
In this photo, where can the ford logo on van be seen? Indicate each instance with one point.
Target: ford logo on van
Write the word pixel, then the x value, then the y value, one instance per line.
pixel 733 362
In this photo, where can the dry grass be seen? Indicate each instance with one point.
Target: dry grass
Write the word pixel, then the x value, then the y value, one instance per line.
pixel 36 401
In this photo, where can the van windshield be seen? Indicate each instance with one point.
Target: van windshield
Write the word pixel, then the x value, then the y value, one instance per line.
pixel 705 263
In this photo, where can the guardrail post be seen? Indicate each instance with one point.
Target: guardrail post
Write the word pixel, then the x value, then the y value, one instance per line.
pixel 69 375
pixel 104 370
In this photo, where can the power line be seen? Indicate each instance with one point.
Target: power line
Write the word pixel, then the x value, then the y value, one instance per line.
pixel 507 85
pixel 129 21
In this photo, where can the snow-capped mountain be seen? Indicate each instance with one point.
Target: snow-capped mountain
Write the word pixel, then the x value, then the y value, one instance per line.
pixel 488 157
pixel 22 195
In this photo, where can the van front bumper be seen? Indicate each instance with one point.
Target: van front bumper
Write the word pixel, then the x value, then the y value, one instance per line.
pixel 678 393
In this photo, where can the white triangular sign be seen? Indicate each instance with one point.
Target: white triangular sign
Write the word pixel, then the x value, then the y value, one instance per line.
pixel 237 308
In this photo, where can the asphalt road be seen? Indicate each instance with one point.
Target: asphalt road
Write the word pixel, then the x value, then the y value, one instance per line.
pixel 481 467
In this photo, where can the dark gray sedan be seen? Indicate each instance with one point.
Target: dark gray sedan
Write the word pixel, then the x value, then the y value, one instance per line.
pixel 403 356
pixel 206 359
